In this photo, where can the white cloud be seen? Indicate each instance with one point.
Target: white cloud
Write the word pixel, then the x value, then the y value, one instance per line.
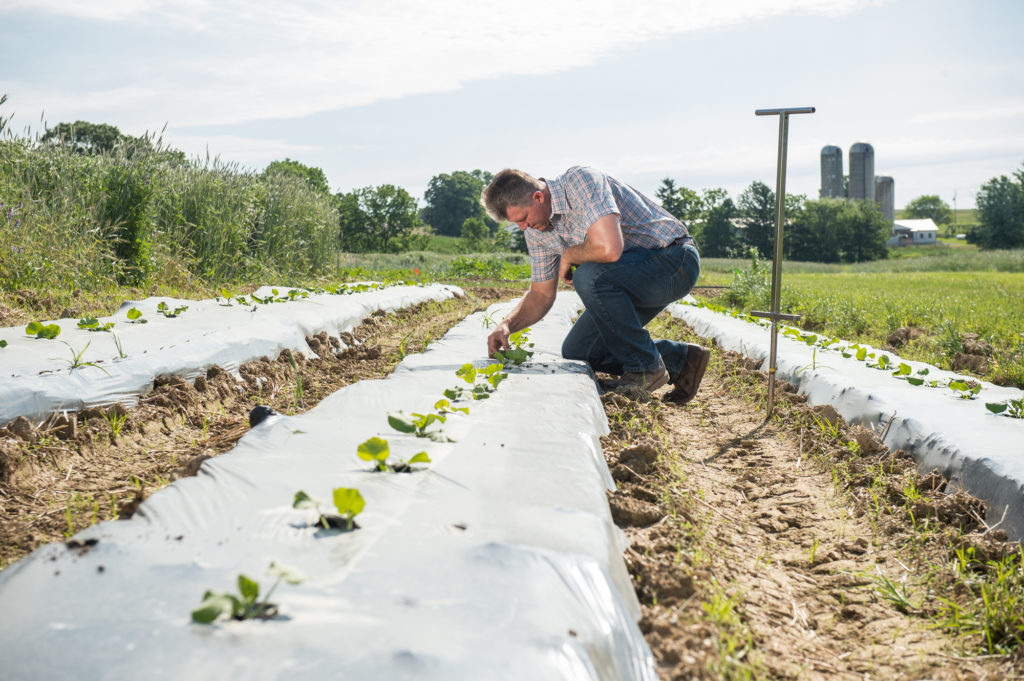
pixel 245 150
pixel 989 112
pixel 320 55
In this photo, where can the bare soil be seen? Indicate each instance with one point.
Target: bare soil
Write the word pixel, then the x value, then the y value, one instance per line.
pixel 760 549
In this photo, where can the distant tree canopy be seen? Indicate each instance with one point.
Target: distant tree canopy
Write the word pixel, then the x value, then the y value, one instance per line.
pixel 1001 212
pixel 453 198
pixel 837 230
pixel 757 213
pixel 313 176
pixel 929 206
pixel 681 202
pixel 102 138
pixel 717 234
pixel 377 219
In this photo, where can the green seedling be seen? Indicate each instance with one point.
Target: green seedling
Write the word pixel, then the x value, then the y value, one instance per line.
pixel 164 309
pixel 488 320
pixel 3 344
pixel 40 330
pixel 518 351
pixel 247 604
pixel 76 359
pixel 467 372
pixel 417 424
pixel 227 295
pixel 964 390
pixel 304 501
pixel 349 503
pixel 494 374
pixel 93 324
pixel 443 406
pixel 480 391
pixel 903 370
pixel 376 450
pixel 1012 408
pixel 135 317
pixel 883 363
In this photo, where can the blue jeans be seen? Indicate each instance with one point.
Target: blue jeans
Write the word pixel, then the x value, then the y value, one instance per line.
pixel 620 299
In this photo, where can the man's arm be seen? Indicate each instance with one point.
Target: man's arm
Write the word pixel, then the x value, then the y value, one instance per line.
pixel 530 310
pixel 604 243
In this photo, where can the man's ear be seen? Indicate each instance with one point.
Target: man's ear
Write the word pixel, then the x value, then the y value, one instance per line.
pixel 538 197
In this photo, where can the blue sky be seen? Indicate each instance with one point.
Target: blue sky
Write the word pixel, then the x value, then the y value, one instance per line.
pixel 378 91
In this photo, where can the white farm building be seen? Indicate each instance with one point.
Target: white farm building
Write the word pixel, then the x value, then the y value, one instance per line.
pixel 913 232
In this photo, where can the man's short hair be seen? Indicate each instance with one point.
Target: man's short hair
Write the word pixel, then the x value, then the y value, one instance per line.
pixel 509 187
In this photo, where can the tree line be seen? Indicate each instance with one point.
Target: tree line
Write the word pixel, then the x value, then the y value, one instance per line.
pixel 825 230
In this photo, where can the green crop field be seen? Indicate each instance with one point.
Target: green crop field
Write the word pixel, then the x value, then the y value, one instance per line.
pixel 946 296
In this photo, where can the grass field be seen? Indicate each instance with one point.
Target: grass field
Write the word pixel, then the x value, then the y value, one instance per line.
pixel 946 295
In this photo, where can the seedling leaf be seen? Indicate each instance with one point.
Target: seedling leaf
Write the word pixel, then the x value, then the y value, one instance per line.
pixel 996 407
pixel 303 500
pixel 401 422
pixel 349 503
pixel 914 381
pixel 374 449
pixel 467 372
pixel 214 605
pixel 249 589
pixel 286 573
pixel 420 458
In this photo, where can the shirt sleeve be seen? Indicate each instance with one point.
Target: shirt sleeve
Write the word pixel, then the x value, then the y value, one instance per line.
pixel 592 194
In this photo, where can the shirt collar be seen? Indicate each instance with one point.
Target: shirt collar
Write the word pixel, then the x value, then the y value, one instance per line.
pixel 559 204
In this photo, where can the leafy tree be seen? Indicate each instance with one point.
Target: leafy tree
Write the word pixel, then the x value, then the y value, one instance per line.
pixel 377 219
pixel 1001 212
pixel 453 198
pixel 863 232
pixel 834 230
pixel 87 138
pixel 757 211
pixel 929 206
pixel 474 233
pixel 718 234
pixel 681 202
pixel 313 176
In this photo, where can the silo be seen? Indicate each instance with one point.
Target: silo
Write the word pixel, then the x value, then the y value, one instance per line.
pixel 885 196
pixel 831 172
pixel 862 171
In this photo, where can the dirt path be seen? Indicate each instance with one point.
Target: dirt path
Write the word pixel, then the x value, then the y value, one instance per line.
pixel 60 477
pixel 784 549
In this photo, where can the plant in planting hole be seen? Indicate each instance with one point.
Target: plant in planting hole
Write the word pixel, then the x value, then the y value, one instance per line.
pixel 443 406
pixel 247 604
pixel 93 324
pixel 417 424
pixel 40 330
pixel 492 373
pixel 377 450
pixel 480 391
pixel 882 363
pixel 347 501
pixel 965 390
pixel 164 309
pixel 3 343
pixel 117 344
pixel 135 317
pixel 518 351
pixel 1011 407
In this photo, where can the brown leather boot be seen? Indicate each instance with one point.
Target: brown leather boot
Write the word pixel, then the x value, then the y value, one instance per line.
pixel 689 378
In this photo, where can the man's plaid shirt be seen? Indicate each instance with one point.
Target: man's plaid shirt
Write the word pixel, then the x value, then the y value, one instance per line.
pixel 578 199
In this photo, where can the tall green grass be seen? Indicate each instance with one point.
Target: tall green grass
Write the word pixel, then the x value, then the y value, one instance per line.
pixel 88 222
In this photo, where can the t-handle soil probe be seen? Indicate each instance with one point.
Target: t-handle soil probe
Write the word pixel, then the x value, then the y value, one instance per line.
pixel 780 205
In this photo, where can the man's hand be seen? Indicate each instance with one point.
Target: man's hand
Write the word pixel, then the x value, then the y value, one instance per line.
pixel 498 340
pixel 565 271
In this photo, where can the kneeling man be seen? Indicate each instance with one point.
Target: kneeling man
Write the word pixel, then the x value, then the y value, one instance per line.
pixel 627 258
